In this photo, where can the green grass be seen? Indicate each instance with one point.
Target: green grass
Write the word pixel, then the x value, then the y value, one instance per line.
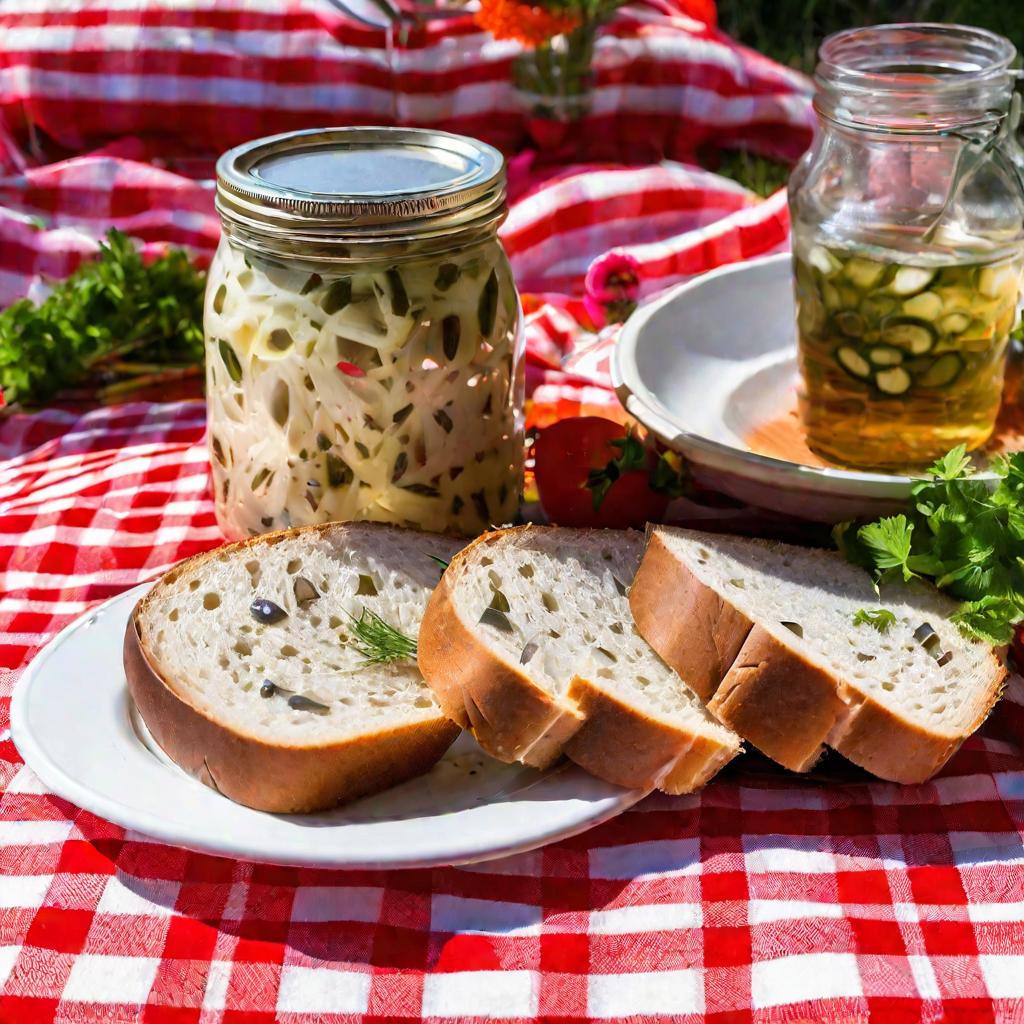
pixel 791 30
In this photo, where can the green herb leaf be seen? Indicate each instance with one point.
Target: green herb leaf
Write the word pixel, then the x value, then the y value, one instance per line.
pixel 880 619
pixel 960 533
pixel 953 465
pixel 889 541
pixel 378 642
pixel 991 619
pixel 109 307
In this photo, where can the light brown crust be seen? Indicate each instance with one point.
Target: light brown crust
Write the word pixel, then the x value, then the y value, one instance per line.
pixel 513 719
pixel 620 744
pixel 785 705
pixel 694 630
pixel 509 716
pixel 271 777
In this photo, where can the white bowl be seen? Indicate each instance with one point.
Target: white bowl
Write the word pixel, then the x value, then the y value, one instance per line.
pixel 708 361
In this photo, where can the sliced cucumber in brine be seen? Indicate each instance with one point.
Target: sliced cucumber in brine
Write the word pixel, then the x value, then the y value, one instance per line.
pixel 877 307
pixel 823 261
pixel 955 323
pixel 914 336
pixel 895 381
pixel 853 362
pixel 925 306
pixel 911 280
pixel 885 355
pixel 863 273
pixel 850 323
pixel 943 371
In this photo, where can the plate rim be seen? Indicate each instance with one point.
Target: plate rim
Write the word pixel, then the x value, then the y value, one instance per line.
pixel 150 824
pixel 642 403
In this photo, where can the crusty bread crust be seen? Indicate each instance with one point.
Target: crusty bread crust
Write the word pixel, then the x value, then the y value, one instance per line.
pixel 786 706
pixel 515 720
pixel 271 777
pixel 694 630
pixel 620 744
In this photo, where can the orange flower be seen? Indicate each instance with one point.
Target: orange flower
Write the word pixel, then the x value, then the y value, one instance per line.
pixel 530 24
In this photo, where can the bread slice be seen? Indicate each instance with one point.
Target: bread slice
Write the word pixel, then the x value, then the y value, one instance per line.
pixel 766 632
pixel 528 642
pixel 196 660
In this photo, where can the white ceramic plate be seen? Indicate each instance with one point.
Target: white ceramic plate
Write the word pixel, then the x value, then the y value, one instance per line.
pixel 74 724
pixel 710 360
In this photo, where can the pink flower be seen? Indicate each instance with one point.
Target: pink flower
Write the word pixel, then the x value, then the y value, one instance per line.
pixel 612 287
pixel 613 277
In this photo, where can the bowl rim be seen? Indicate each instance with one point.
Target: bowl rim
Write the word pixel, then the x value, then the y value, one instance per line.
pixel 640 401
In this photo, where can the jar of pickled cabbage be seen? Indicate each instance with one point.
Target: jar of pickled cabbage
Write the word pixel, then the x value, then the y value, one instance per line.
pixel 908 223
pixel 364 344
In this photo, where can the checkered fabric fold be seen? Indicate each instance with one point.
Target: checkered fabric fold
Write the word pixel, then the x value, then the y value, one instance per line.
pixel 766 897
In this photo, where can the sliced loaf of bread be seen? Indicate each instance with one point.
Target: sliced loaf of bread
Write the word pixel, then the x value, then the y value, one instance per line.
pixel 769 635
pixel 273 703
pixel 528 642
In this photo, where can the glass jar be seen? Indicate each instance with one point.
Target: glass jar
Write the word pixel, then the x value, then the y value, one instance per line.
pixel 363 333
pixel 908 222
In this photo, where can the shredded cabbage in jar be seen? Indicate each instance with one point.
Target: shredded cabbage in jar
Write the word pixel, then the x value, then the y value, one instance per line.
pixel 388 393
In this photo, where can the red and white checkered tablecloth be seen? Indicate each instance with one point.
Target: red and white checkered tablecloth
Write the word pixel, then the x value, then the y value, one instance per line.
pixel 765 897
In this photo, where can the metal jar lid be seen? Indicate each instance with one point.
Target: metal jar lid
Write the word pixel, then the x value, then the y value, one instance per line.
pixel 347 184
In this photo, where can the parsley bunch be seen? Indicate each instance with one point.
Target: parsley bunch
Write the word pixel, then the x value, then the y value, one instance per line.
pixel 114 324
pixel 965 537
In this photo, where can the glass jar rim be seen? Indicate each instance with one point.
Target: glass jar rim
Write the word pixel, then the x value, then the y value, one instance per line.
pixel 915 76
pixel 273 190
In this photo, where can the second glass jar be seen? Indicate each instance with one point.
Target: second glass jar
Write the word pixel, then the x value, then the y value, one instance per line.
pixel 908 222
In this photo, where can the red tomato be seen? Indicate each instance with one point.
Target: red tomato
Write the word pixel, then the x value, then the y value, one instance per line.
pixel 573 451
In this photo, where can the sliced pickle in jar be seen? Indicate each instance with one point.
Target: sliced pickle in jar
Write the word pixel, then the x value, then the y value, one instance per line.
pixel 911 280
pixel 885 355
pixel 850 323
pixel 853 362
pixel 943 371
pixel 955 323
pixel 863 273
pixel 823 261
pixel 894 381
pixel 914 336
pixel 923 306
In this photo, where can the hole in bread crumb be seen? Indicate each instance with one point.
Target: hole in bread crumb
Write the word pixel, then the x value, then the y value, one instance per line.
pixel 549 602
pixel 605 653
pixel 294 565
pixel 616 627
pixel 889 687
pixel 288 651
pixel 367 586
pixel 643 682
pixel 193 585
pixel 703 552
pixel 605 673
pixel 173 615
pixel 211 601
pixel 224 662
pixel 333 622
pixel 315 620
pixel 554 634
pixel 526 571
pixel 242 648
pixel 422 702
pixel 485 561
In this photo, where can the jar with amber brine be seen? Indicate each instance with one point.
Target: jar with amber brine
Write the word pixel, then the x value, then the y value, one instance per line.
pixel 908 222
pixel 364 342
